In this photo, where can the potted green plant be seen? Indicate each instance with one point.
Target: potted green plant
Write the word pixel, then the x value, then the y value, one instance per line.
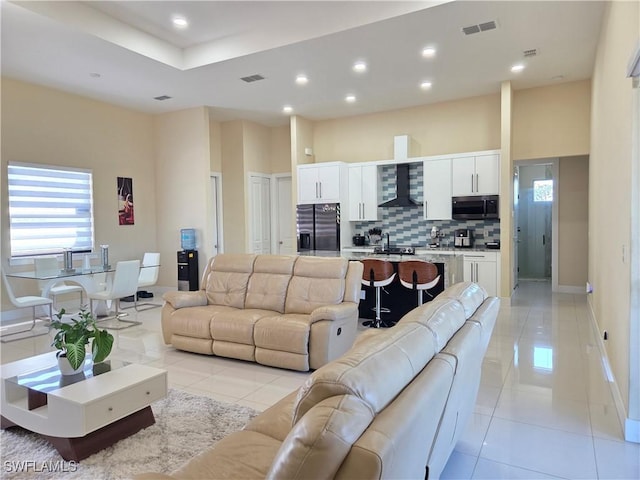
pixel 72 338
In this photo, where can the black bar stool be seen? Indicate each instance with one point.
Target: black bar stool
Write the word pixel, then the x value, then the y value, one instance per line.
pixel 418 275
pixel 377 274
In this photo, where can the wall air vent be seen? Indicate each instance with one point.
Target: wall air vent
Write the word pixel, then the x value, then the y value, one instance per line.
pixel 530 53
pixel 481 27
pixel 252 78
pixel 162 97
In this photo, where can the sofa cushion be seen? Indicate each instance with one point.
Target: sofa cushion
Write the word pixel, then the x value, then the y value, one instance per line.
pixel 318 444
pixel 442 316
pixel 287 333
pixel 226 279
pixel 470 295
pixel 236 325
pixel 269 282
pixel 316 281
pixel 375 370
pixel 196 321
pixel 243 454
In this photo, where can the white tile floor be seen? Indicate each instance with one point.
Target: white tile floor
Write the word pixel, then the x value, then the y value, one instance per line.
pixel 544 409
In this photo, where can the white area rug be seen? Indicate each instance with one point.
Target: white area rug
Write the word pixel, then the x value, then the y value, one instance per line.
pixel 185 425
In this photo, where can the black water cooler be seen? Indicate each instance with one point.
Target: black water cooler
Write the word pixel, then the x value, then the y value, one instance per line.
pixel 188 270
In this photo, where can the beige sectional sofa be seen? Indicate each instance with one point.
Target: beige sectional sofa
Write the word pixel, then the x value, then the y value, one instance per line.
pixel 295 312
pixel 392 407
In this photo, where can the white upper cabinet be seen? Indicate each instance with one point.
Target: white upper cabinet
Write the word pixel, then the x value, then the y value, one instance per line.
pixel 437 189
pixel 363 192
pixel 477 175
pixel 319 183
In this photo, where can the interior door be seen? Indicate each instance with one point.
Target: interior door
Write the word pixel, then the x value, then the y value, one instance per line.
pixel 285 238
pixel 515 225
pixel 215 225
pixel 534 254
pixel 260 215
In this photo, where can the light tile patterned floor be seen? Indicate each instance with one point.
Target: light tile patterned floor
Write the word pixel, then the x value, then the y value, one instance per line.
pixel 544 409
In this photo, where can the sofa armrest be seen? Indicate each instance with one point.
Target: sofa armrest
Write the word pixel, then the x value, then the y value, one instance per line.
pixel 178 299
pixel 341 311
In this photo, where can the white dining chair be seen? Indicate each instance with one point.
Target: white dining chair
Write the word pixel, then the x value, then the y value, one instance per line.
pixel 49 265
pixel 123 284
pixel 148 277
pixel 25 301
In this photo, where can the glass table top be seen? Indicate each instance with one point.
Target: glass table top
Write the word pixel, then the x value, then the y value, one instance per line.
pixel 49 379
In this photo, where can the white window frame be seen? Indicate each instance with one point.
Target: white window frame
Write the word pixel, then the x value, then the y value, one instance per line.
pixel 64 210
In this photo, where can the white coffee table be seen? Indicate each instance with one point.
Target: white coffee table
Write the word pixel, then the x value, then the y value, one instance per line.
pixel 84 413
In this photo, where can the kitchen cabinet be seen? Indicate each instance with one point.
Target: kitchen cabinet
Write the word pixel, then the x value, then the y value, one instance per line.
pixel 476 175
pixel 319 183
pixel 363 192
pixel 437 189
pixel 482 268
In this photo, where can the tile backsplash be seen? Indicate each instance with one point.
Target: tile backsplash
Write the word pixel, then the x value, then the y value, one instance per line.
pixel 406 225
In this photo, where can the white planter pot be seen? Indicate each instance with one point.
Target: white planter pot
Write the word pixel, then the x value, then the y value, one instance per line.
pixel 65 366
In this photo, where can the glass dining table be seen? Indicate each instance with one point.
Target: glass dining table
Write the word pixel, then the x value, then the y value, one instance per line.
pixel 91 279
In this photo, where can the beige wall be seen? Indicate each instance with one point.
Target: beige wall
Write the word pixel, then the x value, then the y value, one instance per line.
pixel 215 143
pixel 551 121
pixel 49 127
pixel 280 149
pixel 466 125
pixel 183 171
pixel 610 185
pixel 233 187
pixel 256 148
pixel 573 221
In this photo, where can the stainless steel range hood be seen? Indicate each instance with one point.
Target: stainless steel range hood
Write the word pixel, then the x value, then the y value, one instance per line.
pixel 402 189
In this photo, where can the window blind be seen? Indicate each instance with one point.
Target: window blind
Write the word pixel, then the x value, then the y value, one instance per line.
pixel 50 209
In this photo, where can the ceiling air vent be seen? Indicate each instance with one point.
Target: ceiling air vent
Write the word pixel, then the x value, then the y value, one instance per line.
pixel 471 29
pixel 530 53
pixel 162 97
pixel 481 27
pixel 487 26
pixel 252 78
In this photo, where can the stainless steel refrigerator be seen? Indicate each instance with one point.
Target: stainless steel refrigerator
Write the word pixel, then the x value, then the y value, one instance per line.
pixel 318 227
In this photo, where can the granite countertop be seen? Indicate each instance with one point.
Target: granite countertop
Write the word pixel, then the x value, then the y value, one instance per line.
pixel 428 255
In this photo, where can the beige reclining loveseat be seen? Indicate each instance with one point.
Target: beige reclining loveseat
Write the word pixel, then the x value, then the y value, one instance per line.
pixel 294 312
pixel 392 407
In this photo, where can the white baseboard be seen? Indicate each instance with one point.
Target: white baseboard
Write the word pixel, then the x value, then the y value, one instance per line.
pixel 632 430
pixel 571 289
pixel 630 427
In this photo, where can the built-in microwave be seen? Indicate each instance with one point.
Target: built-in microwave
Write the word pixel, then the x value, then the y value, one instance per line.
pixel 475 207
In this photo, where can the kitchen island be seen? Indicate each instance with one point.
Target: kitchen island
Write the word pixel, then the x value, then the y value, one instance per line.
pixel 398 299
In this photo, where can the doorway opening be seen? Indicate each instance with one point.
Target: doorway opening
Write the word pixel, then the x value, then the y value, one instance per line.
pixel 535 217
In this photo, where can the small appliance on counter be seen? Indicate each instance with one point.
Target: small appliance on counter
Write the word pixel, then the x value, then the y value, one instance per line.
pixel 463 238
pixel 359 240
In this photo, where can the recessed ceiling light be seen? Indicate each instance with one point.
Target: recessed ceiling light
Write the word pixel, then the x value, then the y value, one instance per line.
pixel 360 67
pixel 180 22
pixel 350 98
pixel 428 52
pixel 287 109
pixel 302 79
pixel 517 68
pixel 425 85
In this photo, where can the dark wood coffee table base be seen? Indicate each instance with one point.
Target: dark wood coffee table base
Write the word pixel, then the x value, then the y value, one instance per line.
pixel 81 447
